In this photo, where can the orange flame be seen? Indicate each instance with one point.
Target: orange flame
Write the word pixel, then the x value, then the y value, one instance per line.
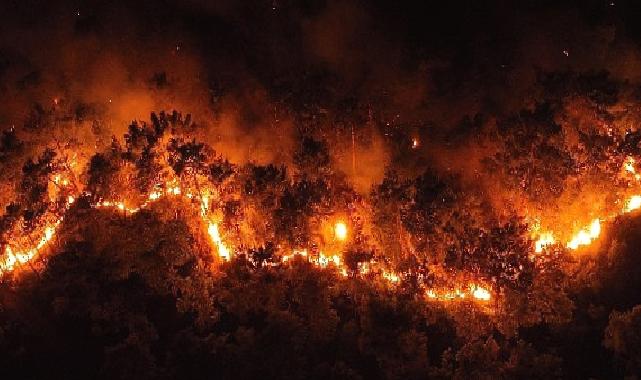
pixel 586 235
pixel 340 231
pixel 223 251
pixel 544 240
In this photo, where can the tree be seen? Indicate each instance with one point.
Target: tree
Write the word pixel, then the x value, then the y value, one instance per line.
pixel 623 337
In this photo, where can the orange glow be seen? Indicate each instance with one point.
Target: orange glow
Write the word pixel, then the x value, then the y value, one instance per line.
pixel 296 252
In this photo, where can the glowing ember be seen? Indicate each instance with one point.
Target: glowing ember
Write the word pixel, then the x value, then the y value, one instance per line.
pixel 415 143
pixel 340 231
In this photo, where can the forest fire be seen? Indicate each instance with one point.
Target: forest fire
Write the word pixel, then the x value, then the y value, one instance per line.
pixel 12 260
pixel 341 189
pixel 587 235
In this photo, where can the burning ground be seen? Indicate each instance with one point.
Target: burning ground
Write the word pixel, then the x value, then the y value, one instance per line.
pixel 345 197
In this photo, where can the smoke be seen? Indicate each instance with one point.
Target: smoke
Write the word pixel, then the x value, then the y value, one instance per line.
pixel 256 75
pixel 249 127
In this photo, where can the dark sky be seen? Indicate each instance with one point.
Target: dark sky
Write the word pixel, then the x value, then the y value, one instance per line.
pixel 359 42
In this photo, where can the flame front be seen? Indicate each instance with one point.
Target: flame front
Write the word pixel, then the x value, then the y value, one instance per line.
pixel 12 260
pixel 586 235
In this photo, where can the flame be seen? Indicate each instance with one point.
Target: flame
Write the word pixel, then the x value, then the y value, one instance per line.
pixel 174 190
pixel 473 291
pixel 340 231
pixel 204 205
pixel 391 277
pixel 13 259
pixel 295 252
pixel 633 203
pixel 547 238
pixel 324 261
pixel 480 293
pixel 628 167
pixel 223 251
pixel 586 235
